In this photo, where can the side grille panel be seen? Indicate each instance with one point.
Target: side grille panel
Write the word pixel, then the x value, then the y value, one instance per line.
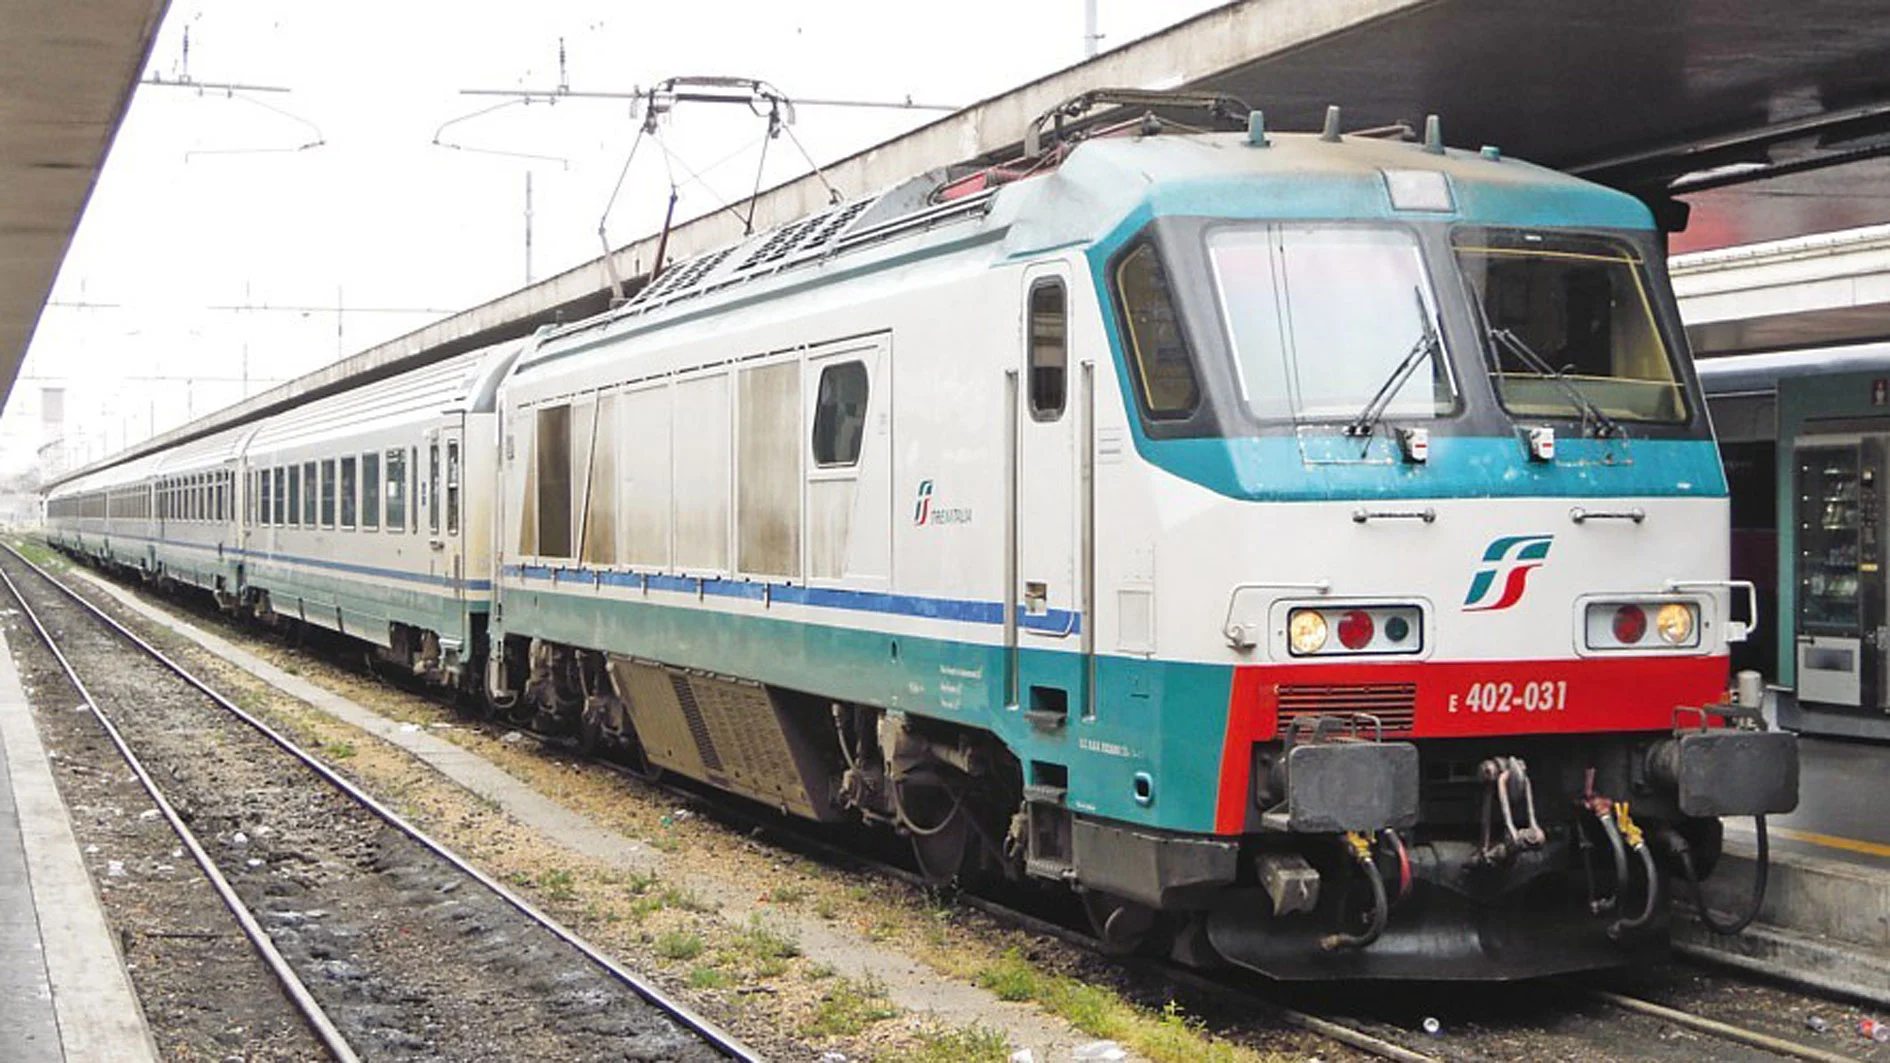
pixel 1395 704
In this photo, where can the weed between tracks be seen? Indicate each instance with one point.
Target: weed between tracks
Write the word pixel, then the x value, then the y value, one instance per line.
pixel 747 970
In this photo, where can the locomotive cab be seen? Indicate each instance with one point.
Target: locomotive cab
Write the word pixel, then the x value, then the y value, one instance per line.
pixel 1427 471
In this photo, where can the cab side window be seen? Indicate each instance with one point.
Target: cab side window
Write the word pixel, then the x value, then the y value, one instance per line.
pixel 1162 365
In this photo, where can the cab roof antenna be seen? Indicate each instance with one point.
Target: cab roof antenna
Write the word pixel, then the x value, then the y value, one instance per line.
pixel 1433 135
pixel 1330 133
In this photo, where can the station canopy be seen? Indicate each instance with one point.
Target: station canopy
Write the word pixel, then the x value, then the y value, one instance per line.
pixel 67 71
pixel 1741 107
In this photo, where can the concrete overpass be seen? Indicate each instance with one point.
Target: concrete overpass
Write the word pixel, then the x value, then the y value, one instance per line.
pixel 1672 101
pixel 67 71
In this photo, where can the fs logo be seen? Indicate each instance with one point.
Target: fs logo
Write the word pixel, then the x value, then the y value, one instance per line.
pixel 1507 563
pixel 923 511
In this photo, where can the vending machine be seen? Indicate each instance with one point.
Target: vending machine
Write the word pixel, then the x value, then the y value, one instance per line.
pixel 1840 639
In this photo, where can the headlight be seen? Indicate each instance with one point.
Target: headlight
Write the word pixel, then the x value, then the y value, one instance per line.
pixel 1641 625
pixel 1674 623
pixel 1306 631
pixel 1345 630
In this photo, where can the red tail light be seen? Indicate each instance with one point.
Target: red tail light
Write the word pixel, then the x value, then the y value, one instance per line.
pixel 1355 629
pixel 1630 624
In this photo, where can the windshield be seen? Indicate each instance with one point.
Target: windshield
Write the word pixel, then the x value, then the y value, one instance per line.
pixel 1322 318
pixel 1578 305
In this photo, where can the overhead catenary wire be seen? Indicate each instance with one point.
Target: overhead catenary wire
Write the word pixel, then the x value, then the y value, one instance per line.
pixel 239 91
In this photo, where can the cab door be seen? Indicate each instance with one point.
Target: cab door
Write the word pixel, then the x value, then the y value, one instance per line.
pixel 1046 619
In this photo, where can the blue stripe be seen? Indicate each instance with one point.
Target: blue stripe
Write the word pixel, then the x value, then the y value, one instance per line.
pixel 312 562
pixel 962 610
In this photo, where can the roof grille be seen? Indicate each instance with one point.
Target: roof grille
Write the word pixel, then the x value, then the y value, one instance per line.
pixel 1394 704
pixel 684 276
pixel 780 242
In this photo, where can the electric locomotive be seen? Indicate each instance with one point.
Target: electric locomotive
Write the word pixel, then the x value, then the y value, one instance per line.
pixel 1312 549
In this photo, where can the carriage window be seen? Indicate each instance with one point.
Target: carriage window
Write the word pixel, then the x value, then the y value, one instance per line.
pixel 295 493
pixel 452 487
pixel 396 490
pixel 308 494
pixel 433 488
pixel 840 415
pixel 328 492
pixel 282 496
pixel 1049 349
pixel 1164 371
pixel 370 490
pixel 267 495
pixel 347 490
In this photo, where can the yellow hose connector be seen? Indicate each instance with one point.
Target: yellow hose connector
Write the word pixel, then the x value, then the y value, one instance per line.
pixel 1361 846
pixel 1630 831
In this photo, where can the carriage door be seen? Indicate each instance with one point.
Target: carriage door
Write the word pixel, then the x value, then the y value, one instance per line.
pixel 1046 629
pixel 446 517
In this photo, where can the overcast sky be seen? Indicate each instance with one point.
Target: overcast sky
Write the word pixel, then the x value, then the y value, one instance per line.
pixel 214 253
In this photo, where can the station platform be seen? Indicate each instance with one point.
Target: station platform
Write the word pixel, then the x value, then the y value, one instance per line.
pixel 64 992
pixel 1826 917
pixel 1843 812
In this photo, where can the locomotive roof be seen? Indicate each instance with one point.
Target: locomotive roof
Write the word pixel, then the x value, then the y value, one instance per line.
pixel 1109 182
pixel 1300 176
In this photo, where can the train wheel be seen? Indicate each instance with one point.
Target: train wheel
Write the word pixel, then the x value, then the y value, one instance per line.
pixel 939 827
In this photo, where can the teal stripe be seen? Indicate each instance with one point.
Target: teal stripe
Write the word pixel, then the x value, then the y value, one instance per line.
pixel 1164 718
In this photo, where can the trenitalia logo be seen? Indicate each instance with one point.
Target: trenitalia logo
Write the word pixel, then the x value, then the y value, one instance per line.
pixel 925 514
pixel 1507 563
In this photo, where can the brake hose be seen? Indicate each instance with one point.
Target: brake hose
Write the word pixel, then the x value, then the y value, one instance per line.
pixel 1619 850
pixel 1361 853
pixel 1761 871
pixel 1631 834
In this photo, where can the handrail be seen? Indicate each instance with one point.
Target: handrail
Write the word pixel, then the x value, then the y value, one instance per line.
pixel 1238 636
pixel 1677 586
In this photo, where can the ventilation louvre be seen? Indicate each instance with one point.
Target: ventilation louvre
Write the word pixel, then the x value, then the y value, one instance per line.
pixel 1395 704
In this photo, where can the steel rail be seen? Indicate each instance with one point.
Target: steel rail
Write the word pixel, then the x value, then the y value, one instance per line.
pixel 318 1021
pixel 1722 1030
pixel 723 1040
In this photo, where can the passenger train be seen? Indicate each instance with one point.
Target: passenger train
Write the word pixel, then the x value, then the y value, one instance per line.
pixel 1310 549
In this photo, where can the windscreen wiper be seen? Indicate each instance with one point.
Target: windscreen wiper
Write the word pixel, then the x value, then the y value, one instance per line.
pixel 1605 426
pixel 1427 345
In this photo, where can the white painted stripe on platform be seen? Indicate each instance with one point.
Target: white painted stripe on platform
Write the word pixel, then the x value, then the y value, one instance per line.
pixel 98 1012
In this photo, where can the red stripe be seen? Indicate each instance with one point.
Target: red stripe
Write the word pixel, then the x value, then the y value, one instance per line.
pixel 1248 713
pixel 1598 695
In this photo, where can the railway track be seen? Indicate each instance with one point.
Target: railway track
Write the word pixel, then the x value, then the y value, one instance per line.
pixel 1377 1038
pixel 358 914
pixel 1357 1028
